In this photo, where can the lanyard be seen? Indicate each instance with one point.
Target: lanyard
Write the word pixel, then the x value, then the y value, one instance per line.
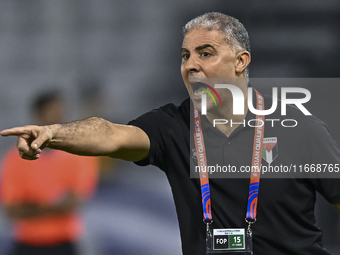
pixel 256 164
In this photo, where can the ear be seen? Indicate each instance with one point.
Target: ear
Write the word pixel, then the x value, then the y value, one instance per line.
pixel 242 61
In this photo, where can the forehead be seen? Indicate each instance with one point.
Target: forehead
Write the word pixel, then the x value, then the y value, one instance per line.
pixel 197 37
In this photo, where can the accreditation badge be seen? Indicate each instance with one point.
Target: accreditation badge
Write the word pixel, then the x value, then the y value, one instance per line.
pixel 236 241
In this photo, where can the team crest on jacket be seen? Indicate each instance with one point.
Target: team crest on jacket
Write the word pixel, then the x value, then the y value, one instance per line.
pixel 270 149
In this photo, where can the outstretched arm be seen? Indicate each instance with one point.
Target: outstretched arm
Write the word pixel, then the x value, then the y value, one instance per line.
pixel 91 137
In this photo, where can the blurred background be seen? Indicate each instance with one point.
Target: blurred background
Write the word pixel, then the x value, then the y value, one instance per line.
pixel 119 59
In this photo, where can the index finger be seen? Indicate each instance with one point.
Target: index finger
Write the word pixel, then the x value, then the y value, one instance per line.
pixel 14 131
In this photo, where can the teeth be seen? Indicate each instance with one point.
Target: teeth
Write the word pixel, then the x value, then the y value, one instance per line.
pixel 199 92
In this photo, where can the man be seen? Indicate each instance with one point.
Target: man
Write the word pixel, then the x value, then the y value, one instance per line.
pixel 214 46
pixel 43 197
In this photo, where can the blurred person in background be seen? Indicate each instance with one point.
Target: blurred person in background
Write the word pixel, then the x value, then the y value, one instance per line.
pixel 43 197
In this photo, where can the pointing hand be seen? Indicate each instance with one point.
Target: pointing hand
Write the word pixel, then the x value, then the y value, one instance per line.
pixel 31 139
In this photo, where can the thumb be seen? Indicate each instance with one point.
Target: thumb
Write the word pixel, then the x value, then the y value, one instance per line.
pixel 36 144
pixel 41 139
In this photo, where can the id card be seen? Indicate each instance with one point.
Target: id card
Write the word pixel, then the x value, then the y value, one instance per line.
pixel 236 241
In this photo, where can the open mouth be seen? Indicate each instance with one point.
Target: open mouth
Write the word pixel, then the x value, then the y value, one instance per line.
pixel 198 89
pixel 199 92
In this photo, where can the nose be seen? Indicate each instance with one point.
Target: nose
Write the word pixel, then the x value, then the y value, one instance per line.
pixel 192 65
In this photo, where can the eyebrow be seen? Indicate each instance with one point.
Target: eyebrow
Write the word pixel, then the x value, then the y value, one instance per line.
pixel 199 48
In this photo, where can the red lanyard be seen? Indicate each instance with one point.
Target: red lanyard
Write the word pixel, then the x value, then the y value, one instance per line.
pixel 255 169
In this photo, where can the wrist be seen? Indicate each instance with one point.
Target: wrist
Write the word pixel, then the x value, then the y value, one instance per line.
pixel 53 131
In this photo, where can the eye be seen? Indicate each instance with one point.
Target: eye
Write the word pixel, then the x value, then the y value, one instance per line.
pixel 205 54
pixel 185 56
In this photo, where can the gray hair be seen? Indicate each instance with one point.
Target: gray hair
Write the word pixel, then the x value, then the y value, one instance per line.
pixel 235 34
